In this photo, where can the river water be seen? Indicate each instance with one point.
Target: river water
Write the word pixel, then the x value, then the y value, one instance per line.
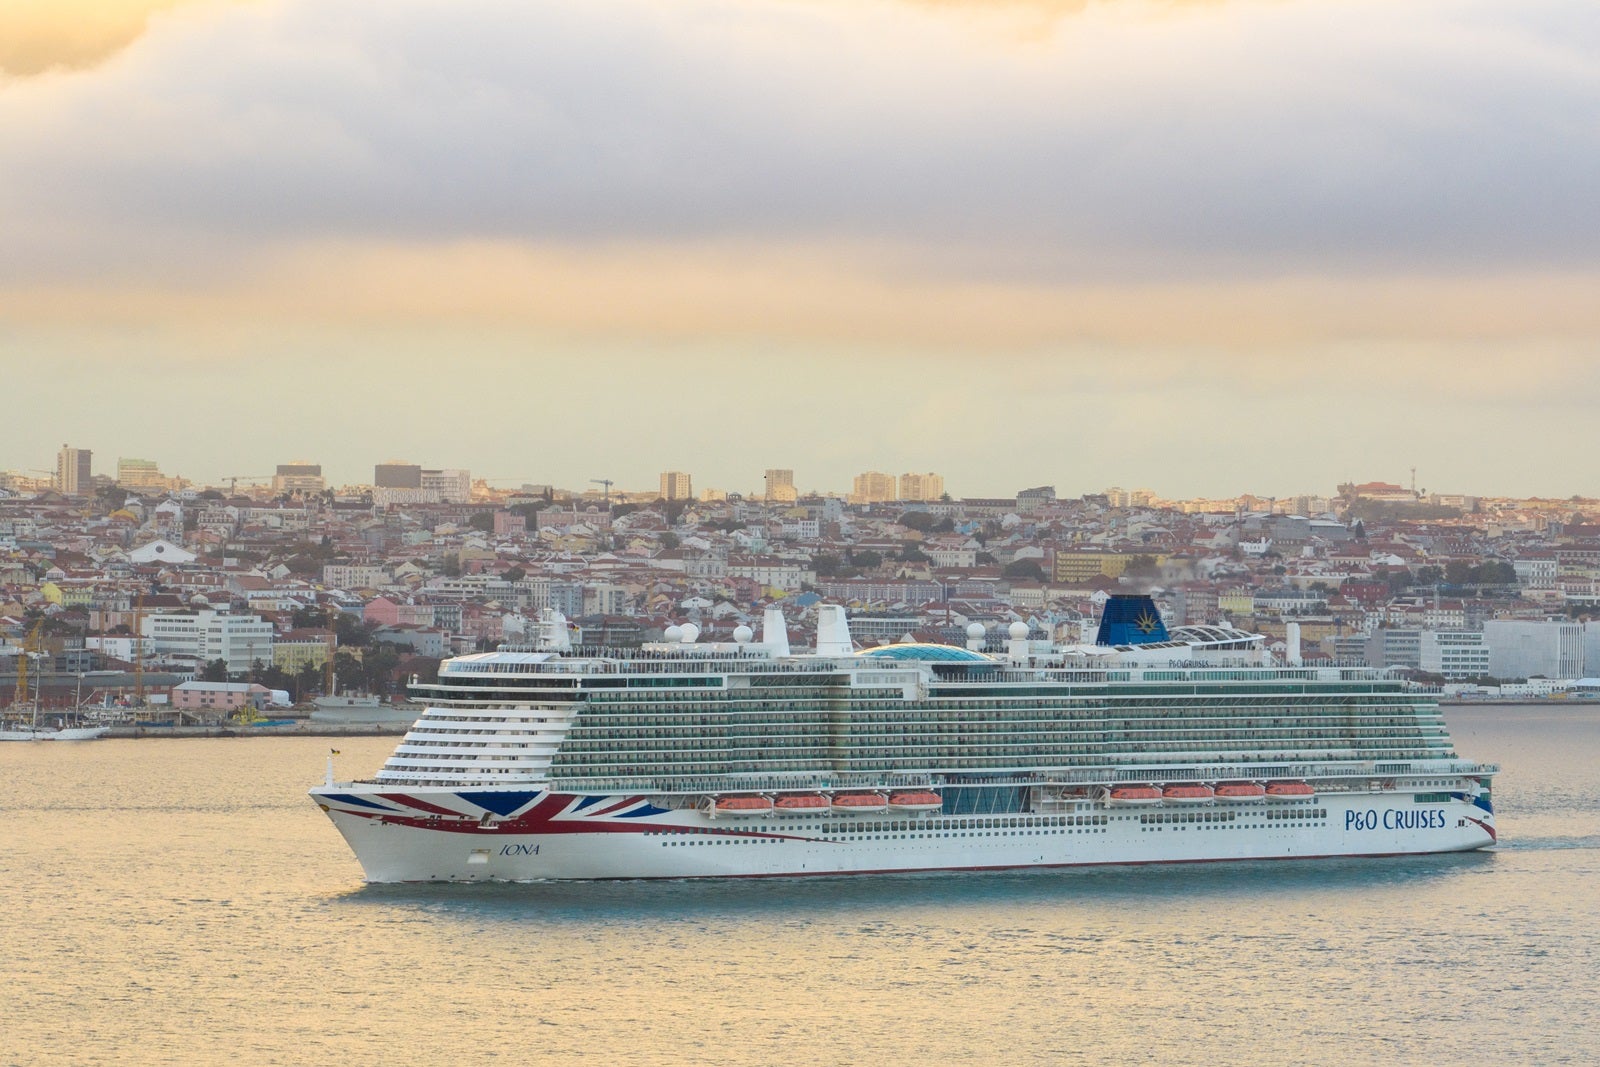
pixel 182 902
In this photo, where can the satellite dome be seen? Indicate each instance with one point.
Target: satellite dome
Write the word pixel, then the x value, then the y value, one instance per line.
pixel 672 633
pixel 1018 631
pixel 743 634
pixel 975 630
pixel 688 633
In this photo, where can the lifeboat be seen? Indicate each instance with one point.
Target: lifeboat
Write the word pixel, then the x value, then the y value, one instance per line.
pixel 1132 795
pixel 1290 789
pixel 743 807
pixel 916 800
pixel 861 803
pixel 805 804
pixel 1241 792
pixel 1187 793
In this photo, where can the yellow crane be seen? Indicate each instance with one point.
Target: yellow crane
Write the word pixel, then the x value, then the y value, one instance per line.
pixel 30 645
pixel 138 651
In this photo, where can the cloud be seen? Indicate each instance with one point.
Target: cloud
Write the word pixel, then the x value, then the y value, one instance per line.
pixel 1248 173
pixel 37 36
pixel 822 293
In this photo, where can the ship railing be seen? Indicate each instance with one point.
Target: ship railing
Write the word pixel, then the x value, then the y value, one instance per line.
pixel 1325 771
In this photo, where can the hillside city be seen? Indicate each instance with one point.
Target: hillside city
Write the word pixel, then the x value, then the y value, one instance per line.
pixel 143 589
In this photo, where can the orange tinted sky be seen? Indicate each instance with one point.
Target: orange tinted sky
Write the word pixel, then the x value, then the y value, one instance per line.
pixel 1208 247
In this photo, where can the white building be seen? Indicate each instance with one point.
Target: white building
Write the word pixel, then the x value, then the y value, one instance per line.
pixel 354 576
pixel 203 636
pixel 453 486
pixel 1520 649
pixel 1455 654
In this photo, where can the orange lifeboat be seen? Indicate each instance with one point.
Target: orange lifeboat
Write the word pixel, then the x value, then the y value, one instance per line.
pixel 1290 789
pixel 743 807
pixel 805 804
pixel 916 800
pixel 1241 792
pixel 861 803
pixel 1187 793
pixel 1132 795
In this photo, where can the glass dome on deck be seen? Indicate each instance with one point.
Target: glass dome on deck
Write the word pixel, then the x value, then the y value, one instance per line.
pixel 923 651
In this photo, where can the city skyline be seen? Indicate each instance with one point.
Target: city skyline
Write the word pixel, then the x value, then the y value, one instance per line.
pixel 1194 245
pixel 398 482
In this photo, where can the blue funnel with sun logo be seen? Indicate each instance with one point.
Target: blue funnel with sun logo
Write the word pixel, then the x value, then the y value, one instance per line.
pixel 1130 620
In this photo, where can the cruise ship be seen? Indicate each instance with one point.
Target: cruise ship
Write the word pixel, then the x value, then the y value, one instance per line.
pixel 697 759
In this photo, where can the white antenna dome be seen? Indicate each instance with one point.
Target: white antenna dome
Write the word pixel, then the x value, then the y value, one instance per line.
pixel 975 631
pixel 689 633
pixel 1018 630
pixel 672 633
pixel 743 634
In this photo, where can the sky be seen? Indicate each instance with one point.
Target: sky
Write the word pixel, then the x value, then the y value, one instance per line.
pixel 1204 246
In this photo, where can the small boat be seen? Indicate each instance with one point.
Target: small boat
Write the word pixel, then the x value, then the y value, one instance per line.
pixel 1133 795
pixel 1187 793
pixel 1241 792
pixel 861 803
pixel 803 804
pixel 916 800
pixel 1290 789
pixel 742 807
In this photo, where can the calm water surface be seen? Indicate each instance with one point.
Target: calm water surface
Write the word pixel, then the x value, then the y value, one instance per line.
pixel 181 901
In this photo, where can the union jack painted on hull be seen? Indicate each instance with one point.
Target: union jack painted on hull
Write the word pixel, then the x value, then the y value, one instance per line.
pixel 727 760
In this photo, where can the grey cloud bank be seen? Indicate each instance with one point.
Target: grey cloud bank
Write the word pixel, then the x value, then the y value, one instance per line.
pixel 1247 140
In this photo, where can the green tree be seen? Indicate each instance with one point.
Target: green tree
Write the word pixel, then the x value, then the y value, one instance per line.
pixel 1141 566
pixel 670 540
pixel 1024 568
pixel 866 559
pixel 348 672
pixel 481 520
pixel 514 574
pixel 825 564
pixel 916 520
pixel 910 553
pixel 215 671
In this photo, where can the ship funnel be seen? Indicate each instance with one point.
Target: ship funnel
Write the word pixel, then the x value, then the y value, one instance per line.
pixel 1291 651
pixel 833 631
pixel 775 631
pixel 1130 620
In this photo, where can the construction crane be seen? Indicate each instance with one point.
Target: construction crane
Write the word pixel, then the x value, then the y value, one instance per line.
pixel 138 651
pixel 608 483
pixel 233 480
pixel 30 645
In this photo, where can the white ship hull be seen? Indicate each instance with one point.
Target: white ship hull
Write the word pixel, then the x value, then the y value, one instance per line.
pixel 442 835
pixel 45 733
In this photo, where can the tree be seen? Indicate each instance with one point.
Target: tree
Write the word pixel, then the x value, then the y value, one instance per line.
pixel 215 671
pixel 514 574
pixel 921 521
pixel 825 564
pixel 670 540
pixel 306 679
pixel 1024 568
pixel 348 672
pixel 866 559
pixel 1141 566
pixel 481 520
pixel 910 553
